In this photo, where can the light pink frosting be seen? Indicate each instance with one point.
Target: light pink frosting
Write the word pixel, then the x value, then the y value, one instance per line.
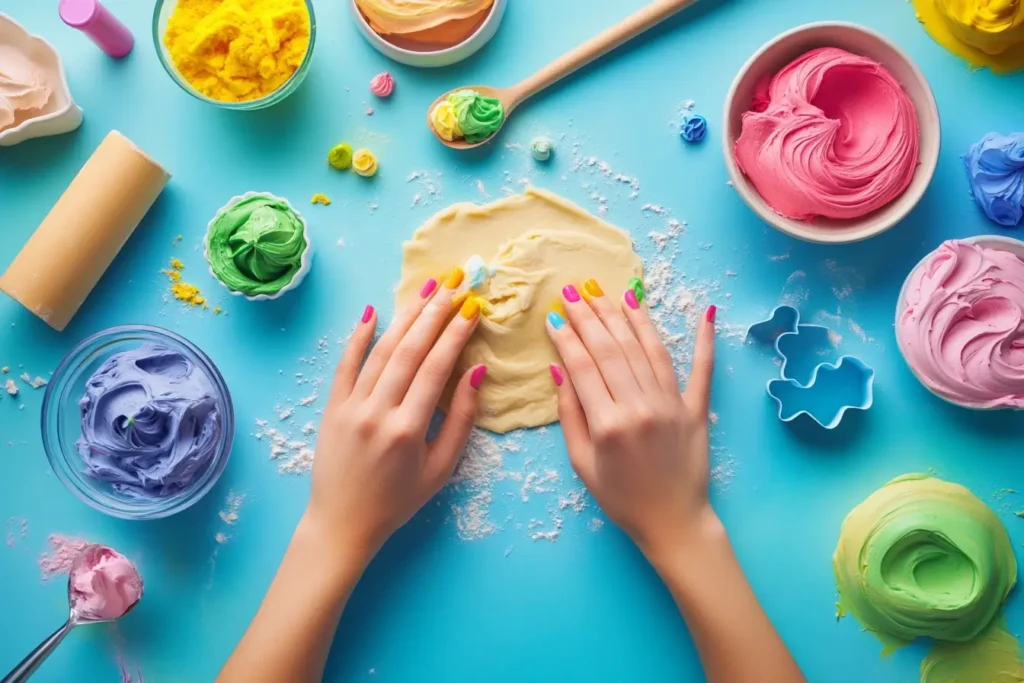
pixel 104 584
pixel 833 135
pixel 962 331
pixel 382 85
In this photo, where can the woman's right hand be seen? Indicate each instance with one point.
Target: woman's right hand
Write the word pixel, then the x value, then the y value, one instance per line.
pixel 639 445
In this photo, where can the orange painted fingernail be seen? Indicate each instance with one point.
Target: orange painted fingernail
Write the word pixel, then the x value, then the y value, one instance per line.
pixel 367 314
pixel 710 314
pixel 428 288
pixel 470 308
pixel 592 288
pixel 455 277
pixel 558 307
pixel 556 374
pixel 477 378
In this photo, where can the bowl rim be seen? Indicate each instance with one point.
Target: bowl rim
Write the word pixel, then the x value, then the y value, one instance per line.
pixel 55 451
pixel 993 241
pixel 450 50
pixel 258 103
pixel 805 230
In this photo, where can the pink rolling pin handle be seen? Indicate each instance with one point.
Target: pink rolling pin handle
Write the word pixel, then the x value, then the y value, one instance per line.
pixel 97 22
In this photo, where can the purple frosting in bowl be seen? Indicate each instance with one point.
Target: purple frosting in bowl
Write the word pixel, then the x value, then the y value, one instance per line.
pixel 150 422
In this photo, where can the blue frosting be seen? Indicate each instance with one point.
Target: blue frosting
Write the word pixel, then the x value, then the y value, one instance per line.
pixel 995 168
pixel 695 127
pixel 477 272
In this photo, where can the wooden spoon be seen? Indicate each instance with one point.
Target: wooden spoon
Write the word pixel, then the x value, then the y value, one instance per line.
pixel 604 42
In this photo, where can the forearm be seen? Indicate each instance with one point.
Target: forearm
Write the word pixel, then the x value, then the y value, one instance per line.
pixel 736 641
pixel 291 635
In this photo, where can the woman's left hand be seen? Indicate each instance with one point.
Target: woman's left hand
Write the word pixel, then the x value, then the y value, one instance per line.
pixel 374 468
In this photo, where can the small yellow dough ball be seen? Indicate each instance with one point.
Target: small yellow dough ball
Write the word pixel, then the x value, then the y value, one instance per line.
pixel 364 163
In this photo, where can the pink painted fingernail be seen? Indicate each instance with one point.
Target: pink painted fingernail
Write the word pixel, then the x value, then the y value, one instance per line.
pixel 710 314
pixel 367 314
pixel 556 374
pixel 570 294
pixel 631 299
pixel 477 378
pixel 428 288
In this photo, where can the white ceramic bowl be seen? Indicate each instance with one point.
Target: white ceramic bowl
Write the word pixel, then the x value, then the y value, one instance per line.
pixel 307 255
pixel 780 51
pixel 67 116
pixel 433 58
pixel 987 241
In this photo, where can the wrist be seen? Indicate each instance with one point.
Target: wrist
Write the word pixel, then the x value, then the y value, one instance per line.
pixel 685 543
pixel 338 557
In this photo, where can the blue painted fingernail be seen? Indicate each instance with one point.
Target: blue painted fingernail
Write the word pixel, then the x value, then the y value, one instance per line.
pixel 555 320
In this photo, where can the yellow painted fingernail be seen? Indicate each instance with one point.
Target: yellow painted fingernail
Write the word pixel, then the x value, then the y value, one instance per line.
pixel 558 307
pixel 455 277
pixel 470 309
pixel 592 288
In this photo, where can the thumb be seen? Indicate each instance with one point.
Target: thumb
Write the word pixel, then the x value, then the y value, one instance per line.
pixel 574 424
pixel 447 447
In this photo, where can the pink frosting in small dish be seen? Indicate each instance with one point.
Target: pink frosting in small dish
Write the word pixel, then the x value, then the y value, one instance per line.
pixel 962 330
pixel 831 135
pixel 104 584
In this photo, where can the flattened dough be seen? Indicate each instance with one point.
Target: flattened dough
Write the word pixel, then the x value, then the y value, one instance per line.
pixel 535 243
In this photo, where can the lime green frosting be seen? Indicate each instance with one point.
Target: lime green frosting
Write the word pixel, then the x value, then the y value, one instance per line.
pixel 256 245
pixel 925 557
pixel 479 117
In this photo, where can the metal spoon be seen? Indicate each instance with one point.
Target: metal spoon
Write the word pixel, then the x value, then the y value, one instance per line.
pixel 604 42
pixel 28 666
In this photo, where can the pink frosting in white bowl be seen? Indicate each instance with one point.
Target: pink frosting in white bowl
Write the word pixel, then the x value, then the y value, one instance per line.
pixel 960 322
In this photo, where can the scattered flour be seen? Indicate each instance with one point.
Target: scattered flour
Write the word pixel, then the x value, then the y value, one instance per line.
pixel 61 556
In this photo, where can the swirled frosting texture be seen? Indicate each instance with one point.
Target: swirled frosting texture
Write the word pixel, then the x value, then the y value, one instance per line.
pixel 467 114
pixel 255 246
pixel 412 16
pixel 995 169
pixel 104 584
pixel 151 422
pixel 838 137
pixel 922 557
pixel 986 33
pixel 962 330
pixel 25 88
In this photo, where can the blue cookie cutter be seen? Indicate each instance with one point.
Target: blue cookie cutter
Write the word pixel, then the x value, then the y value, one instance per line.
pixel 808 386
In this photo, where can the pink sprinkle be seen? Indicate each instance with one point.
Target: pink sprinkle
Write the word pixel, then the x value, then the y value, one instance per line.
pixel 63 551
pixel 382 85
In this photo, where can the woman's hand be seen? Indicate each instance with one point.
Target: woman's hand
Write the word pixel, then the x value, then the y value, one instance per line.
pixel 373 467
pixel 639 445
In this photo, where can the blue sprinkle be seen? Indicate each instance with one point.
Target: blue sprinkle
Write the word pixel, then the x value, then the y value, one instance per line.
pixel 695 127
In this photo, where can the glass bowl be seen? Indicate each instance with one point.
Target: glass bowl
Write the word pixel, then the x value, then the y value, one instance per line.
pixel 162 12
pixel 61 423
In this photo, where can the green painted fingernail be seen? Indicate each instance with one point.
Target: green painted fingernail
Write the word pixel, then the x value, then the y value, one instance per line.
pixel 637 285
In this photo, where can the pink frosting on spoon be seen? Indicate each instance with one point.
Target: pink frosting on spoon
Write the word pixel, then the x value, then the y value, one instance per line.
pixel 963 327
pixel 104 584
pixel 831 135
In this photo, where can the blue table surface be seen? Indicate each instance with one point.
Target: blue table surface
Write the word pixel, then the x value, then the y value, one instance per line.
pixel 433 606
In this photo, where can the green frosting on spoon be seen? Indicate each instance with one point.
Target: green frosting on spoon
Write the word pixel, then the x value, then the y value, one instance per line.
pixel 479 117
pixel 924 557
pixel 256 245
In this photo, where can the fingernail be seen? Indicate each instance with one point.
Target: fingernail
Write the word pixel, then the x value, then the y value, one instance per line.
pixel 477 378
pixel 428 288
pixel 367 314
pixel 631 299
pixel 710 314
pixel 558 307
pixel 592 288
pixel 570 294
pixel 556 374
pixel 556 321
pixel 637 285
pixel 470 308
pixel 455 277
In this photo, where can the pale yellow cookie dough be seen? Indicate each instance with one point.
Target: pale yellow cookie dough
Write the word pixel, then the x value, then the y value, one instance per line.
pixel 535 244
